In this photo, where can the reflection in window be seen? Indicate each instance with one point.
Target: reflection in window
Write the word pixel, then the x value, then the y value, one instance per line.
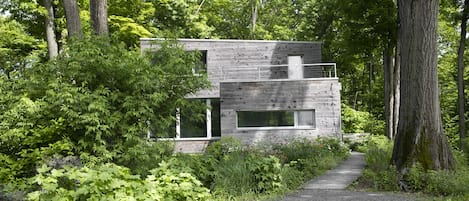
pixel 301 118
pixel 190 121
pixel 193 119
pixel 201 66
pixel 265 118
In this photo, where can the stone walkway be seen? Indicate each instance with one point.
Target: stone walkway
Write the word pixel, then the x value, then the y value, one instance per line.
pixel 332 185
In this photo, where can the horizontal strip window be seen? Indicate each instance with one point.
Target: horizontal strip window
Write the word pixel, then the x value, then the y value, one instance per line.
pixel 273 119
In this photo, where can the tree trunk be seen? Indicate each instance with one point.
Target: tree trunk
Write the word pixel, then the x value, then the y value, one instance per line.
pixel 254 10
pixel 397 86
pixel 461 101
pixel 72 13
pixel 52 46
pixel 388 90
pixel 98 11
pixel 420 137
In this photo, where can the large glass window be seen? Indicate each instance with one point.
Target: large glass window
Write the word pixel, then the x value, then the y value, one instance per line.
pixel 200 118
pixel 252 119
pixel 193 119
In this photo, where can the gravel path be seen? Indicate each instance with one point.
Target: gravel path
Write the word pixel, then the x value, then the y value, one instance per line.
pixel 332 185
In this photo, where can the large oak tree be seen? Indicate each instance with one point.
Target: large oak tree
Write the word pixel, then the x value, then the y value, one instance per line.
pixel 420 137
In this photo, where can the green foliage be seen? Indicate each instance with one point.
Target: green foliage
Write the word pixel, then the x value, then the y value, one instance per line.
pixel 441 182
pixel 312 158
pixel 96 100
pixel 233 176
pixel 224 146
pixel 141 159
pixel 354 121
pixel 171 180
pixel 17 48
pixel 180 17
pixel 112 182
pixel 127 30
pixel 379 174
pixel 266 172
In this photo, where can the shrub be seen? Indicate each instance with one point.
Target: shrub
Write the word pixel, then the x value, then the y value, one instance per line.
pixel 378 153
pixel 173 182
pixel 379 174
pixel 224 146
pixel 113 182
pixel 266 172
pixel 102 107
pixel 354 121
pixel 141 159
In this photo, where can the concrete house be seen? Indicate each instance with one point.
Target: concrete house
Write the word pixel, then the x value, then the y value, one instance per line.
pixel 262 91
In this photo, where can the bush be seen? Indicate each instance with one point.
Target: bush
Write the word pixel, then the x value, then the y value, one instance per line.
pixel 224 146
pixel 379 174
pixel 112 182
pixel 96 100
pixel 354 121
pixel 266 172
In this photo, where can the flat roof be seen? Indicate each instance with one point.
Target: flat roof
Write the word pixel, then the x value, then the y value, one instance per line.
pixel 232 40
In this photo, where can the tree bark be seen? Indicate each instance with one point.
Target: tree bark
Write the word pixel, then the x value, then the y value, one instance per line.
pixel 397 86
pixel 461 99
pixel 98 11
pixel 388 90
pixel 420 137
pixel 52 47
pixel 72 13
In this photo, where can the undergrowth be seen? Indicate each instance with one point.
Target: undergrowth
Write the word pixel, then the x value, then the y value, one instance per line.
pixel 227 171
pixel 379 175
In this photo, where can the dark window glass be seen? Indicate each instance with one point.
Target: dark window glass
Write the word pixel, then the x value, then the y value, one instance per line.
pixel 201 66
pixel 193 119
pixel 265 118
pixel 215 105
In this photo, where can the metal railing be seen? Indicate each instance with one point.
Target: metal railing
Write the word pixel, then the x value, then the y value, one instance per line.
pixel 270 72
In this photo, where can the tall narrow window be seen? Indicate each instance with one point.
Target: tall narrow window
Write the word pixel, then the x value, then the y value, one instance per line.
pixel 201 66
pixel 193 120
pixel 215 117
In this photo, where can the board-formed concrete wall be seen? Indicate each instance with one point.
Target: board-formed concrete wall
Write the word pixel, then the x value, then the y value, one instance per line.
pixel 321 95
pixel 235 59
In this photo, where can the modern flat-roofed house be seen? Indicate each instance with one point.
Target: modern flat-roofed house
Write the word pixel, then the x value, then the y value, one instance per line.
pixel 262 91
